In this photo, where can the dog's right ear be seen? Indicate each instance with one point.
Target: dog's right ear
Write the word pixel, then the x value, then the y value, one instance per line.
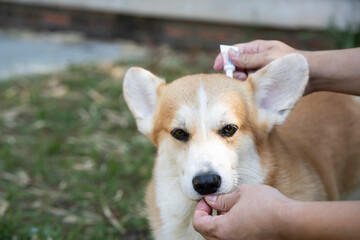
pixel 140 93
pixel 278 87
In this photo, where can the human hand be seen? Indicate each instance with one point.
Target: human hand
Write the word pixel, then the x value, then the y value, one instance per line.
pixel 253 55
pixel 250 212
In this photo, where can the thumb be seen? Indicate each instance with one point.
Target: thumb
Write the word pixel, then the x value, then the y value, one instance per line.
pixel 223 203
pixel 247 60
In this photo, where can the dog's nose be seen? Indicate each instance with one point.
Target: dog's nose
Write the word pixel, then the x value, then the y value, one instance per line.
pixel 206 183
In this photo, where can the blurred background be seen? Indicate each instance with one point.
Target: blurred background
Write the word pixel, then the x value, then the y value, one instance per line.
pixel 72 165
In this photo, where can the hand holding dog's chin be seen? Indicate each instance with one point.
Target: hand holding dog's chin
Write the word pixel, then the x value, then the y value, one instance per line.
pixel 251 212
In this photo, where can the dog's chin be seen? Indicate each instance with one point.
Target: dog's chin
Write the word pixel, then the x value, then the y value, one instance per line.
pixel 197 197
pixel 192 195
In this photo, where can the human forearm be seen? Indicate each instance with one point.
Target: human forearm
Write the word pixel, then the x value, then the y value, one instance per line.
pixel 335 70
pixel 320 220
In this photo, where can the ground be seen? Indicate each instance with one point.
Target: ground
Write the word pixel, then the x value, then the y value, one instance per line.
pixel 72 164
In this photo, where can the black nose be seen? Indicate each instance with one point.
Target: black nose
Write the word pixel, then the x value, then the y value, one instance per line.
pixel 206 183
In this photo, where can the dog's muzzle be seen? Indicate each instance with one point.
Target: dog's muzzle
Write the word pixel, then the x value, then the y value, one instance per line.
pixel 206 183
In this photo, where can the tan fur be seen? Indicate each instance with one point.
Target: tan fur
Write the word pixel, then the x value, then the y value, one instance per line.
pixel 312 156
pixel 321 134
pixel 152 209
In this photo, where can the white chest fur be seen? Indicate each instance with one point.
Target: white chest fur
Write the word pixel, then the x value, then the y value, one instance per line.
pixel 176 211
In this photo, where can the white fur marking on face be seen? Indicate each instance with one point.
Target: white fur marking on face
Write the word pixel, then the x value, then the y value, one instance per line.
pixel 234 166
pixel 203 102
pixel 209 154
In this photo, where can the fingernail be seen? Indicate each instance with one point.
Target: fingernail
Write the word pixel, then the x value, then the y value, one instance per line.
pixel 211 198
pixel 215 66
pixel 240 76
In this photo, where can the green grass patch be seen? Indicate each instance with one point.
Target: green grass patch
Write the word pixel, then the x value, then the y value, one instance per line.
pixel 72 164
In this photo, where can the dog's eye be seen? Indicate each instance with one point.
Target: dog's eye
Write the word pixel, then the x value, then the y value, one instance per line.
pixel 228 130
pixel 180 134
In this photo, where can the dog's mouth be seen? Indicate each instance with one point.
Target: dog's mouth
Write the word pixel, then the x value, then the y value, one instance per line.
pixel 199 197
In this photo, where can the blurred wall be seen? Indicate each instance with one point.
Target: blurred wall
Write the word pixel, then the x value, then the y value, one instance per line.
pixel 197 24
pixel 293 14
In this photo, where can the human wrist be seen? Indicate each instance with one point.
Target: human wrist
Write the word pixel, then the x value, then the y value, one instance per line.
pixel 314 59
pixel 287 214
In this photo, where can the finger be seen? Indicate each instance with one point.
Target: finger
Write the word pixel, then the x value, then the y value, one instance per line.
pixel 203 222
pixel 218 64
pixel 202 216
pixel 255 46
pixel 203 208
pixel 223 203
pixel 240 75
pixel 247 61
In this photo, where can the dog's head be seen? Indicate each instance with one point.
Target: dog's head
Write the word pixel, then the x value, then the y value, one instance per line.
pixel 207 127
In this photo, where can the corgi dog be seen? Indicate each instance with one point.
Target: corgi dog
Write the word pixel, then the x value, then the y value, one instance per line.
pixel 214 133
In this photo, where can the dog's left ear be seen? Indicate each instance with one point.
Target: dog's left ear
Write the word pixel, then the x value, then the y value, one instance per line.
pixel 140 93
pixel 278 87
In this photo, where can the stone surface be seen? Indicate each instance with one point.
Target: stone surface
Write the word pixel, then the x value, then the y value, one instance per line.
pixel 26 52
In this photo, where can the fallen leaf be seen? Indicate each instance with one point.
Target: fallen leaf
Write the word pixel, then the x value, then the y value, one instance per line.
pixel 105 66
pixel 20 177
pixel 70 219
pixel 114 222
pixel 96 96
pixel 88 165
pixel 62 185
pixel 118 196
pixel 37 204
pixel 4 205
pixel 58 211
pixel 118 72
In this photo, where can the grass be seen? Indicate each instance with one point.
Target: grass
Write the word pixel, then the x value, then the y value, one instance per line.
pixel 72 164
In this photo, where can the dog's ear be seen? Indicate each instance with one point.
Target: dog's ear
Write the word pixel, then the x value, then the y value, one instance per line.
pixel 278 86
pixel 140 93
